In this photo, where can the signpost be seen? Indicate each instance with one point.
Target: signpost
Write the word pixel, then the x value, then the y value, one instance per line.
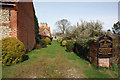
pixel 104 51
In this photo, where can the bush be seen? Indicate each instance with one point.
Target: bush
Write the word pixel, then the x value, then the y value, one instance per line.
pixel 48 41
pixel 51 38
pixel 64 43
pixel 70 46
pixel 13 51
pixel 43 43
pixel 63 40
pixel 82 47
pixel 60 39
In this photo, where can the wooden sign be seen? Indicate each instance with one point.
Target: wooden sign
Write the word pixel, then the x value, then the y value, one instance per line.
pixel 104 62
pixel 105 46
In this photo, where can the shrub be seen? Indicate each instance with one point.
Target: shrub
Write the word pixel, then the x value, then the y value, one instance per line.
pixel 64 43
pixel 60 39
pixel 63 40
pixel 70 46
pixel 82 47
pixel 43 43
pixel 51 38
pixel 13 51
pixel 48 41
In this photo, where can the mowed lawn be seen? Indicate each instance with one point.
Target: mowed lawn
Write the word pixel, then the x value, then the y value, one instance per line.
pixel 55 62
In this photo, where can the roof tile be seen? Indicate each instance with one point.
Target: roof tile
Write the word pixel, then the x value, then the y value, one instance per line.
pixel 41 29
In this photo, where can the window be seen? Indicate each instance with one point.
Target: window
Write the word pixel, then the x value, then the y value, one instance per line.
pixel 45 32
pixel 9 14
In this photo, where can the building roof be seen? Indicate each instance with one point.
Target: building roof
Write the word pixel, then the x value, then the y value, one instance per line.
pixel 6 4
pixel 9 0
pixel 16 0
pixel 41 29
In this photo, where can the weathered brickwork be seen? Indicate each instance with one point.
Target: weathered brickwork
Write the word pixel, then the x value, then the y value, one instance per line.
pixel 94 59
pixel 26 24
pixel 5 31
pixel 4 19
pixel 13 22
pixel 18 21
pixel 93 53
pixel 5 14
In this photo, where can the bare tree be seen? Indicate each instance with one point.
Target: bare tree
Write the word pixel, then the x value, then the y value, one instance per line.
pixel 63 25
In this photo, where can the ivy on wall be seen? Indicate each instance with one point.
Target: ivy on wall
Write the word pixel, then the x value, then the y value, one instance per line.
pixel 36 28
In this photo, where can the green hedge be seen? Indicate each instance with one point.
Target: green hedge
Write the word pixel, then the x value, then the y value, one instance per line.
pixel 70 46
pixel 64 43
pixel 59 40
pixel 43 43
pixel 13 51
pixel 51 38
pixel 48 41
pixel 82 47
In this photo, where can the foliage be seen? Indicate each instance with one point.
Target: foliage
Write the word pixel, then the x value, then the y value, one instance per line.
pixel 50 38
pixel 13 51
pixel 116 41
pixel 60 39
pixel 39 36
pixel 70 46
pixel 64 43
pixel 82 47
pixel 116 28
pixel 116 47
pixel 85 30
pixel 48 41
pixel 49 55
pixel 63 40
pixel 63 25
pixel 43 43
pixel 36 28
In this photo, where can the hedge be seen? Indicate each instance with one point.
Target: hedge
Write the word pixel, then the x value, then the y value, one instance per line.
pixel 64 43
pixel 43 43
pixel 13 51
pixel 82 47
pixel 48 41
pixel 59 40
pixel 70 46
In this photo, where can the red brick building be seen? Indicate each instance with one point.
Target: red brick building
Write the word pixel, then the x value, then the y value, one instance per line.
pixel 44 30
pixel 18 21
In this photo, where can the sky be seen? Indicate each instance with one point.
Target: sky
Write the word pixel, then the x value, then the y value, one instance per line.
pixel 51 12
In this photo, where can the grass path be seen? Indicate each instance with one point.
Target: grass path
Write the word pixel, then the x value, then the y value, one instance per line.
pixel 54 62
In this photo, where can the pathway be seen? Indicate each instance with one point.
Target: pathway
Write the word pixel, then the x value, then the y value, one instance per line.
pixel 52 62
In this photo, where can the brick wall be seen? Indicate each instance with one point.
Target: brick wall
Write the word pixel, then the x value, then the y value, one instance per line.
pixel 20 24
pixel 5 29
pixel 104 62
pixel 25 22
pixel 13 22
pixel 93 53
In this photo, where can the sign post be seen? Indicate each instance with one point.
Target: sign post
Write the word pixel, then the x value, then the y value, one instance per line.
pixel 104 51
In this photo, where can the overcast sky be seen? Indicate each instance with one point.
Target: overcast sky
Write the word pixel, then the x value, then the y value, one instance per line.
pixel 50 12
